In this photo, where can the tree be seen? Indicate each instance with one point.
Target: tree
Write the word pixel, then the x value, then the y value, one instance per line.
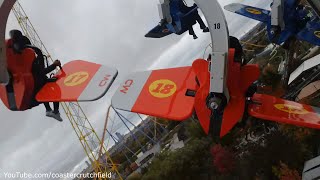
pixel 134 176
pixel 297 133
pixel 283 172
pixel 185 163
pixel 259 160
pixel 223 159
pixel 172 124
pixel 194 130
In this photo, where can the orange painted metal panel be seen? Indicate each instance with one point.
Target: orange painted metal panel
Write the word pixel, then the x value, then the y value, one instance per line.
pixel 201 68
pixel 72 81
pixel 20 67
pixel 239 80
pixel 164 94
pixel 275 109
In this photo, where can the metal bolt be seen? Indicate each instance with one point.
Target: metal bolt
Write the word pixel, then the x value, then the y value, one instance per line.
pixel 214 105
pixel 272 32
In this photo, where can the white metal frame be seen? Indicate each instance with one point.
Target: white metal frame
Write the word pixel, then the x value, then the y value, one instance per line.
pixel 277 13
pixel 216 20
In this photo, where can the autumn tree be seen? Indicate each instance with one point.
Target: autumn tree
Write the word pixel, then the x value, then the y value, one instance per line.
pixel 189 162
pixel 223 159
pixel 283 172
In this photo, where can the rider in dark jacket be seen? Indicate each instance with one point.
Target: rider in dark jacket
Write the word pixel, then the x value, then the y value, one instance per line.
pixel 39 70
pixel 185 9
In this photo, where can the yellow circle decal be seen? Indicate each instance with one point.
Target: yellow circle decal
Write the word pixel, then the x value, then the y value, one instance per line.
pixel 162 88
pixel 291 109
pixel 76 79
pixel 253 11
pixel 317 34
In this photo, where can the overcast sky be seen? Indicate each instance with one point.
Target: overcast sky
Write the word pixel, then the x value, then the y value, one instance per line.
pixel 109 32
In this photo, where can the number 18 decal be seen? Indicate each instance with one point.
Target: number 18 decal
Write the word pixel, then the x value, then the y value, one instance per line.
pixel 162 88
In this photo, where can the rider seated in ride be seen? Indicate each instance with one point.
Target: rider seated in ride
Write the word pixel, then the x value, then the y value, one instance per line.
pixel 192 17
pixel 185 9
pixel 39 71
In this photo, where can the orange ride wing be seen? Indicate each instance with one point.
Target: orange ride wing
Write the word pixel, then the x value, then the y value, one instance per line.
pixel 78 81
pixel 160 93
pixel 200 67
pixel 275 109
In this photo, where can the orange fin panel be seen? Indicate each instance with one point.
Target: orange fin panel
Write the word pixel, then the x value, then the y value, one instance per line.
pixel 234 110
pixel 232 114
pixel 239 80
pixel 200 67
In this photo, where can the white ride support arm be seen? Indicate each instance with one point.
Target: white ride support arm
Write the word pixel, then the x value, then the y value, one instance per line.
pixel 220 44
pixel 5 8
pixel 277 14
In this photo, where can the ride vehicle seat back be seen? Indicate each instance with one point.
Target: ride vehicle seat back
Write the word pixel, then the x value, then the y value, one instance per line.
pixel 21 82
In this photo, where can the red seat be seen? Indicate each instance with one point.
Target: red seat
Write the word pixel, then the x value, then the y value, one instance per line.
pixel 20 67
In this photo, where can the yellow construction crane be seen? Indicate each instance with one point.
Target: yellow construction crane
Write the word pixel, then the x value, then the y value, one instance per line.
pixel 88 137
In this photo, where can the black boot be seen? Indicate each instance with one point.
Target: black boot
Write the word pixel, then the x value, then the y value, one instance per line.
pixel 206 29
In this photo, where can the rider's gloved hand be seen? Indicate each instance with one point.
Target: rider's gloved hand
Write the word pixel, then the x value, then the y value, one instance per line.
pixel 57 63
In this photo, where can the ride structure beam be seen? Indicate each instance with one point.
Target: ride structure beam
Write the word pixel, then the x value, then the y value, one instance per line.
pixel 28 28
pixel 220 44
pixel 143 133
pixel 132 135
pixel 116 141
pixel 277 10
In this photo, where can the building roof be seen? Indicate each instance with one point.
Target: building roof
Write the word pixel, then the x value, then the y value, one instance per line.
pixel 306 65
pixel 311 169
pixel 309 90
